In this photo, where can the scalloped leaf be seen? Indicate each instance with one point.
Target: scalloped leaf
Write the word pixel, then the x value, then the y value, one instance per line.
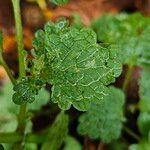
pixel 25 90
pixel 104 121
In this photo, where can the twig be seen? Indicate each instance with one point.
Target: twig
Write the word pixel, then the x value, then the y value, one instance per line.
pixel 131 133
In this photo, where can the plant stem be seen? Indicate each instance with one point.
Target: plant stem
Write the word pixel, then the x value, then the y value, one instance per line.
pixel 42 4
pixel 17 14
pixel 19 32
pixel 124 88
pixel 10 137
pixel 17 137
pixel 131 133
pixel 9 73
pixel 100 146
pixel 127 78
pixel 36 138
pixel 22 118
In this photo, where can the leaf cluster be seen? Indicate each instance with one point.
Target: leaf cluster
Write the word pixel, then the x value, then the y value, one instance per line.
pixel 70 60
pixel 130 32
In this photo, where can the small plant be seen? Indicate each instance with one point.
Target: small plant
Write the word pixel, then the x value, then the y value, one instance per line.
pixel 79 71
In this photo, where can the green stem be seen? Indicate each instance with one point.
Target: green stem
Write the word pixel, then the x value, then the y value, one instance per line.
pixel 9 73
pixel 17 137
pixel 131 133
pixel 127 78
pixel 10 137
pixel 124 88
pixel 19 32
pixel 34 138
pixel 22 118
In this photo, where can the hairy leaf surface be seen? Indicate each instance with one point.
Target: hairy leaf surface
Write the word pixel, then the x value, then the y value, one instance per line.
pixel 104 121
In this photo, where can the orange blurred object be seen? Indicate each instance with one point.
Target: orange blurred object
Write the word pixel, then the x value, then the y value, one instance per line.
pixel 87 9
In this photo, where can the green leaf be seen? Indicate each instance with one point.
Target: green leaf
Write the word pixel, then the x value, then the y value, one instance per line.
pixel 129 33
pixel 28 90
pixel 78 68
pixel 104 121
pixel 141 146
pixel 25 90
pixel 59 2
pixel 57 133
pixel 72 144
pixel 41 99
